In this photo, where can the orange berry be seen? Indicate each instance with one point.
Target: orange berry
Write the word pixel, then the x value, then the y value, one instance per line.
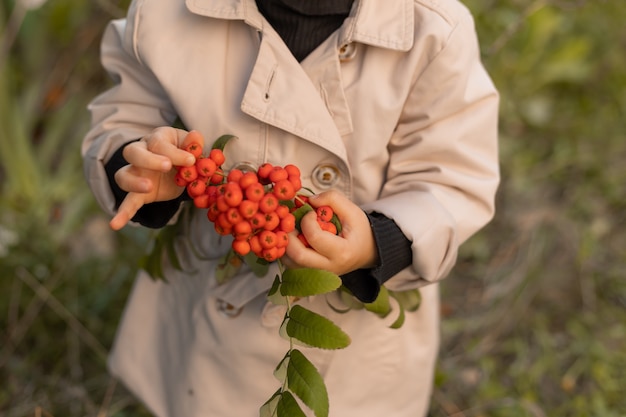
pixel 217 156
pixel 221 204
pixel 292 170
pixel 268 203
pixel 206 167
pixel 234 175
pixel 218 177
pixel 270 254
pixel 255 192
pixel 264 170
pixel 282 239
pixel 255 245
pixel 258 221
pixel 196 188
pixel 296 182
pixel 324 213
pixel 272 221
pixel 268 239
pixel 282 211
pixel 248 208
pixel 179 180
pixel 233 194
pixel 188 173
pixel 288 224
pixel 201 201
pixel 328 227
pixel 233 215
pixel 248 179
pixel 241 247
pixel 278 174
pixel 284 190
pixel 242 230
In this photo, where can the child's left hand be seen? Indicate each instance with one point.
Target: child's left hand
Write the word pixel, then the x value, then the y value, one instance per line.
pixel 355 248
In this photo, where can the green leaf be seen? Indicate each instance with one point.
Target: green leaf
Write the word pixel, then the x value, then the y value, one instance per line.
pixel 350 300
pixel 381 306
pixel 258 268
pixel 299 214
pixel 274 295
pixel 400 320
pixel 280 372
pixel 221 142
pixel 288 406
pixel 228 267
pixel 304 282
pixel 269 408
pixel 304 380
pixel 152 262
pixel 314 330
pixel 410 300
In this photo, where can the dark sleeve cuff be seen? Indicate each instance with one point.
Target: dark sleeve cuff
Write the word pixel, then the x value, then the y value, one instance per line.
pixel 153 215
pixel 394 254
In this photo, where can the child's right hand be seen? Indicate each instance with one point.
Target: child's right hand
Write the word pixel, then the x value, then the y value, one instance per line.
pixel 149 175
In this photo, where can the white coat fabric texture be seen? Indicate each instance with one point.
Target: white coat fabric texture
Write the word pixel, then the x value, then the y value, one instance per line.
pixel 394 109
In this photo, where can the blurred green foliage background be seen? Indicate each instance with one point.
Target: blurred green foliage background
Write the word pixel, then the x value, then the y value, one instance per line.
pixel 534 315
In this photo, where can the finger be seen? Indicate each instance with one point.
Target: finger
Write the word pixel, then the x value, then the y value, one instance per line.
pixel 298 255
pixel 138 154
pixel 172 142
pixel 129 180
pixel 127 210
pixel 191 137
pixel 168 142
pixel 323 242
pixel 340 204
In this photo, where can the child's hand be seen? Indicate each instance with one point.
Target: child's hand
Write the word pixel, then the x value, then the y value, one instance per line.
pixel 149 176
pixel 355 248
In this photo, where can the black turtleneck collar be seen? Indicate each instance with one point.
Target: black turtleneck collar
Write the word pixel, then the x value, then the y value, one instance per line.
pixel 304 24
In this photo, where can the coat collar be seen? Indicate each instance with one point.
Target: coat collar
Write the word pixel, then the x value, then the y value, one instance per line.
pixel 373 22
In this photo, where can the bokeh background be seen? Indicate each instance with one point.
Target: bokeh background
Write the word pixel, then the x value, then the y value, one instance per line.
pixel 534 313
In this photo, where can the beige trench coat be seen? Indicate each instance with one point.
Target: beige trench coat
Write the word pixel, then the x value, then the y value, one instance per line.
pixel 394 109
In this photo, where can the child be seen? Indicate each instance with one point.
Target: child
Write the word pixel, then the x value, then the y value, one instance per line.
pixel 391 118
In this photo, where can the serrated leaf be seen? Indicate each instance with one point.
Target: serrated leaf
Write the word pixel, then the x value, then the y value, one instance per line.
pixel 269 408
pixel 280 372
pixel 258 268
pixel 299 214
pixel 410 300
pixel 381 306
pixel 400 320
pixel 314 329
pixel 288 406
pixel 304 282
pixel 274 295
pixel 228 267
pixel 305 381
pixel 350 300
pixel 221 142
pixel 152 262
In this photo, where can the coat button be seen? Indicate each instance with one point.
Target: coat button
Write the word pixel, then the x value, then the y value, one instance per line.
pixel 325 176
pixel 347 51
pixel 227 309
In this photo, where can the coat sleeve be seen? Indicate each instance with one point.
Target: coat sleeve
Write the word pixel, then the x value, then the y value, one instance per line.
pixel 443 171
pixel 130 109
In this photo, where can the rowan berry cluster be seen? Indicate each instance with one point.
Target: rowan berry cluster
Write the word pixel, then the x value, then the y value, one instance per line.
pixel 255 207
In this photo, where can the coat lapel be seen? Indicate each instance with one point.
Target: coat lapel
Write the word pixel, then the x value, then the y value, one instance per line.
pixel 281 94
